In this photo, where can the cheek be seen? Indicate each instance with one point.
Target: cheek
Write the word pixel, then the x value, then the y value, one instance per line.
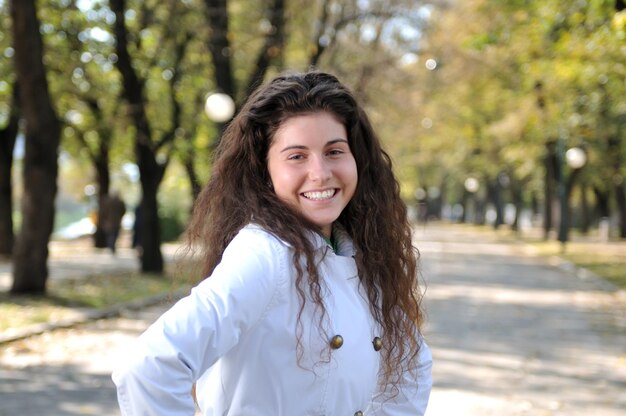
pixel 353 174
pixel 283 181
pixel 273 172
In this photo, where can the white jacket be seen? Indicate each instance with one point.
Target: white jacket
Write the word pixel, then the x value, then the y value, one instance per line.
pixel 235 335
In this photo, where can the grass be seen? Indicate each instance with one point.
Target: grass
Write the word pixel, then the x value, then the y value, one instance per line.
pixel 67 298
pixel 603 259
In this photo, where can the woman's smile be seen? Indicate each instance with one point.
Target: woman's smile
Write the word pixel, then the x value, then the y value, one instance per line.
pixel 320 195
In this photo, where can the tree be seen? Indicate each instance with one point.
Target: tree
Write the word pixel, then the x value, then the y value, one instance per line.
pixel 221 50
pixel 8 135
pixel 518 82
pixel 42 137
pixel 9 119
pixel 151 171
pixel 86 99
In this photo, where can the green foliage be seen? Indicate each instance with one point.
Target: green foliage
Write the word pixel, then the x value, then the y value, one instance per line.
pixel 175 203
pixel 482 100
pixel 171 227
pixel 6 66
pixel 476 113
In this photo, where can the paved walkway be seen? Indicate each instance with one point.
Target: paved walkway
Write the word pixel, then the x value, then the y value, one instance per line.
pixel 511 335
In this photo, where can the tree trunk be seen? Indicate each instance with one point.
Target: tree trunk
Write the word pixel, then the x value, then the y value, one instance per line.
pixel 615 149
pixel 150 171
pixel 100 159
pixel 585 218
pixel 193 178
pixel 273 48
pixel 219 46
pixel 7 144
pixel 602 203
pixel 320 44
pixel 518 201
pixel 497 202
pixel 615 146
pixel 534 203
pixel 30 270
pixel 149 226
pixel 480 211
pixel 103 178
pixel 620 198
pixel 566 210
pixel 550 164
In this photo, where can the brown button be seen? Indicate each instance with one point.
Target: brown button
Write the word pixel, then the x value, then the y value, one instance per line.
pixel 336 342
pixel 359 413
pixel 377 343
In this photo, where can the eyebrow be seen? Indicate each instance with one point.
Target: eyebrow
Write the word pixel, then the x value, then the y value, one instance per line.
pixel 328 143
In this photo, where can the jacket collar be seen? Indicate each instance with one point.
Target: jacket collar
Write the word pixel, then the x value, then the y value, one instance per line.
pixel 345 246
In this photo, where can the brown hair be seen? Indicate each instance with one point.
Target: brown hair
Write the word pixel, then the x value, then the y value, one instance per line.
pixel 239 192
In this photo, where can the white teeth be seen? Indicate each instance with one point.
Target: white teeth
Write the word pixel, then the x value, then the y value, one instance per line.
pixel 319 195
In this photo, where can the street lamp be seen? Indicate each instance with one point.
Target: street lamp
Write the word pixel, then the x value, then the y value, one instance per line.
pixel 219 107
pixel 575 158
pixel 471 185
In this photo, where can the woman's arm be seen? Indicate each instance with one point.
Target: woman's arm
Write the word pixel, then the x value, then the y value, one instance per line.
pixel 157 376
pixel 413 390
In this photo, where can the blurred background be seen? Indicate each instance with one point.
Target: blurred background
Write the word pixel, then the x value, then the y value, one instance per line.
pixel 506 113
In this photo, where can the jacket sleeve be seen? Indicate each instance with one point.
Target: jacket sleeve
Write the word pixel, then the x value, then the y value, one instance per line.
pixel 158 374
pixel 414 390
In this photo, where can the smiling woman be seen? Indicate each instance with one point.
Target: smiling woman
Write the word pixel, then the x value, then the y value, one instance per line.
pixel 309 258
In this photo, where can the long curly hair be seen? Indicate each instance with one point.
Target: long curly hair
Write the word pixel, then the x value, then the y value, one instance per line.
pixel 239 191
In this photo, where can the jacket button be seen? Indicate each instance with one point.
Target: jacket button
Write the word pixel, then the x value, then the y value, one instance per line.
pixel 377 343
pixel 336 342
pixel 359 413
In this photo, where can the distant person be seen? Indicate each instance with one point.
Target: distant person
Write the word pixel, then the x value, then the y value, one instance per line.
pixel 312 304
pixel 111 212
pixel 422 212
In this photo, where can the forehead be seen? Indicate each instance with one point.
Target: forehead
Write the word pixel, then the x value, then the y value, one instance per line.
pixel 317 125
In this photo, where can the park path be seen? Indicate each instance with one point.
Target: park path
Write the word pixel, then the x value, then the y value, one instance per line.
pixel 73 259
pixel 511 335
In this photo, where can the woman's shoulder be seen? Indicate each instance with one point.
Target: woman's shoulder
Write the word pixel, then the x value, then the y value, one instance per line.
pixel 257 237
pixel 253 252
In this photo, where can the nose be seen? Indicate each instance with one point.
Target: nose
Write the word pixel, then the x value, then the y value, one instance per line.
pixel 319 169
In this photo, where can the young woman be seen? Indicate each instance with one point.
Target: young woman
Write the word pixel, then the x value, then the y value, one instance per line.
pixel 311 305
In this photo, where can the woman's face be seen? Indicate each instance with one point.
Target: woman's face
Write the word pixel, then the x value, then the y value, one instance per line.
pixel 312 168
